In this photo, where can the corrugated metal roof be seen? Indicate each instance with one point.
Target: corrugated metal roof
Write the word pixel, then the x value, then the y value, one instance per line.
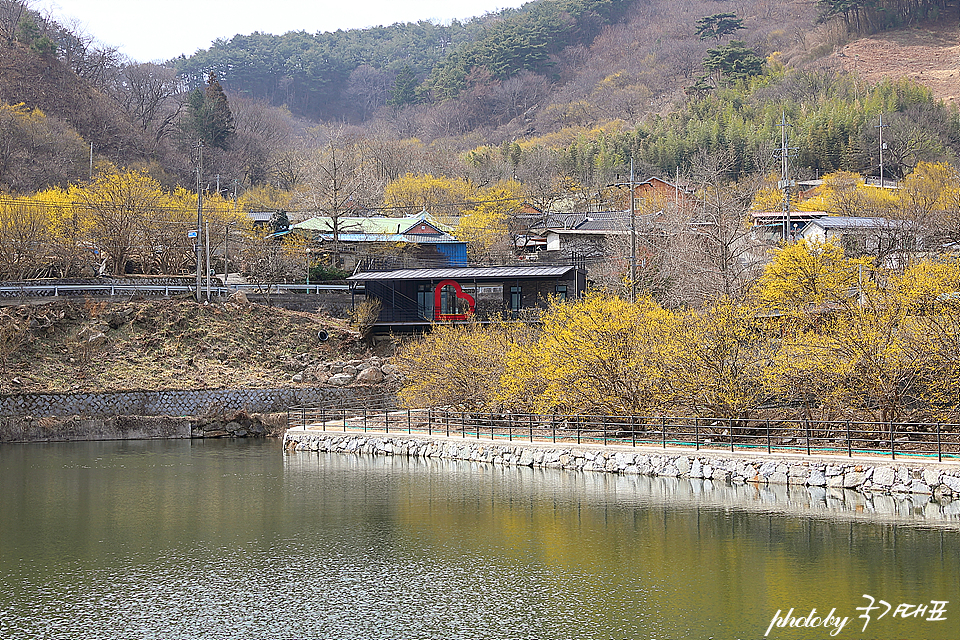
pixel 844 222
pixel 466 273
pixel 440 238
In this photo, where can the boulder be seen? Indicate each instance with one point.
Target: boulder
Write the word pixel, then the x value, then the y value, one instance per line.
pixel 240 298
pixel 370 375
pixel 340 379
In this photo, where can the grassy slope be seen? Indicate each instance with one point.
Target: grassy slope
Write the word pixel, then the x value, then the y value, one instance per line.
pixel 169 344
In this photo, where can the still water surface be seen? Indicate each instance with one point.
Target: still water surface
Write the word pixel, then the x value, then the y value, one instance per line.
pixel 218 539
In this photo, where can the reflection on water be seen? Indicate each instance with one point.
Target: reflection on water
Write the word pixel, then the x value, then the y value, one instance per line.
pixel 180 539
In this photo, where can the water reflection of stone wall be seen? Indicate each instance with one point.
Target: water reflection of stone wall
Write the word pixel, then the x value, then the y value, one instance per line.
pixel 913 491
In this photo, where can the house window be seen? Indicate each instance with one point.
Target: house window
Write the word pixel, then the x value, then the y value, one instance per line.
pixel 425 301
pixel 561 292
pixel 515 298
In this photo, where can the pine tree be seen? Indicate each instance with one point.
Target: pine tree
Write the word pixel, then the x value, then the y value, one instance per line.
pixel 210 118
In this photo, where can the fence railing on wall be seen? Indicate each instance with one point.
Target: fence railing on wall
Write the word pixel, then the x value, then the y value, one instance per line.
pixel 913 439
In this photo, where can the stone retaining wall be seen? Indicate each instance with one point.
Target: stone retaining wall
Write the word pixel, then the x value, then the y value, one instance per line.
pixel 74 428
pixel 175 403
pixel 940 482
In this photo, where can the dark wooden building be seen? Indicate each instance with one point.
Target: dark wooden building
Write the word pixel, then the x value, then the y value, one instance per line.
pixel 419 297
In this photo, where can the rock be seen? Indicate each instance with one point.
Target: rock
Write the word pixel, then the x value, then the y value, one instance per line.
pixel 884 477
pixel 96 339
pixel 854 479
pixel 777 477
pixel 919 486
pixel 297 378
pixel 816 479
pixel 370 375
pixel 931 477
pixel 951 481
pixel 240 298
pixel 340 379
pixel 350 370
pixel 696 469
pixel 388 369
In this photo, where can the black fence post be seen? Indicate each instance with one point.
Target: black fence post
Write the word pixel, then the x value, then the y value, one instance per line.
pixel 663 431
pixel 323 418
pixel 386 420
pixel 893 443
pixel 849 443
pixel 939 447
pixel 364 419
pixel 530 417
pixel 578 429
pixel 696 431
pixel 807 425
pixel 768 435
pixel 447 420
pixel 633 429
pixel 730 428
pixel 408 422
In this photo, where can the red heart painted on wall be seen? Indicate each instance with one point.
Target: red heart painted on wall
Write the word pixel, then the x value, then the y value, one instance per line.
pixel 438 314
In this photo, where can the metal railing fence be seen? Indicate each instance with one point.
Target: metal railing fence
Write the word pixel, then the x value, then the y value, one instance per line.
pixel 126 289
pixel 913 439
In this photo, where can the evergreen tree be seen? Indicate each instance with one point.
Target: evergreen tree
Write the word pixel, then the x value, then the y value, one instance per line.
pixel 209 115
pixel 718 26
pixel 733 61
pixel 404 88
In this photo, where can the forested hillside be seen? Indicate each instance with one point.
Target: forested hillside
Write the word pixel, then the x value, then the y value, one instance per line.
pixel 573 86
pixel 545 105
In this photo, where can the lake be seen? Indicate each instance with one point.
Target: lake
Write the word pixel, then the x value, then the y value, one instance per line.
pixel 184 539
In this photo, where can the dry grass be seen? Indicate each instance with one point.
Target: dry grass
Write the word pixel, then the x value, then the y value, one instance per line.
pixel 172 344
pixel 928 53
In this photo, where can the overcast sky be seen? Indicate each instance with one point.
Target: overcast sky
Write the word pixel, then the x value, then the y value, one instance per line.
pixel 151 30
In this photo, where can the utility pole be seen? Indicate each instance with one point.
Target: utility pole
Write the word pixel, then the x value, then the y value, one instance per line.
pixel 208 260
pixel 785 181
pixel 880 147
pixel 197 244
pixel 633 236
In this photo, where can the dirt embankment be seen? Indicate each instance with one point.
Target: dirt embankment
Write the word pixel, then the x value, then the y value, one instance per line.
pixel 928 53
pixel 164 344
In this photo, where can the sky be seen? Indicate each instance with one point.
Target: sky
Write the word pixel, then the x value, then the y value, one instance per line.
pixel 155 30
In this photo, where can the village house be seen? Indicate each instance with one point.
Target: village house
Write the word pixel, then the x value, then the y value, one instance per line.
pixel 416 298
pixel 420 238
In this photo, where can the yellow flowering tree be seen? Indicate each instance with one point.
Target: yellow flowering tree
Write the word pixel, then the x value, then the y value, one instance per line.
pixel 487 226
pixel 456 365
pixel 25 238
pixel 808 274
pixel 716 363
pixel 413 193
pixel 599 355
